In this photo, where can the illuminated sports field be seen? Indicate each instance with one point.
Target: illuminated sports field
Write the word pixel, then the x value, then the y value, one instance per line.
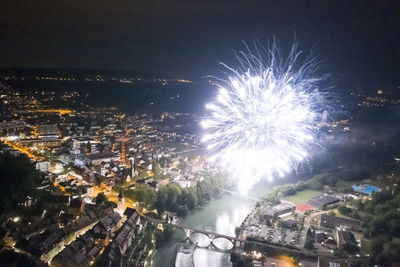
pixel 303 196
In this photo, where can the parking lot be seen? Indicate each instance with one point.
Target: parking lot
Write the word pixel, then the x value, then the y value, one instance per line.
pixel 273 234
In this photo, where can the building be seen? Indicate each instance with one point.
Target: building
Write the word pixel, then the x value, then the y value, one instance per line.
pixel 52 245
pixel 321 237
pixel 338 222
pixel 121 203
pixel 41 142
pixel 331 243
pixel 328 262
pixel 272 212
pixel 346 238
pixel 43 166
pixel 324 202
pixel 184 183
pixel 106 226
pixel 84 173
pixel 123 240
pixel 103 157
pixel 290 224
pixel 81 252
pixel 61 178
pixel 47 131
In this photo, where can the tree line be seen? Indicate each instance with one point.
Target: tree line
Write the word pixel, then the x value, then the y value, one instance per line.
pixel 173 198
pixel 318 182
pixel 381 224
pixel 18 180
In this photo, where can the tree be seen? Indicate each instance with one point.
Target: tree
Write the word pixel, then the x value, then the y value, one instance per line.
pixel 162 197
pixel 101 198
pixel 18 180
pixel 168 198
pixel 356 215
pixel 376 246
pixel 182 210
pixel 237 230
pixel 309 244
pixel 89 147
pixel 100 147
pixel 345 210
pixel 350 247
pixel 144 195
pixel 98 178
pixel 237 260
pixel 163 236
pixel 380 208
pixel 331 213
pixel 309 232
pixel 360 204
pixel 155 168
pixel 189 198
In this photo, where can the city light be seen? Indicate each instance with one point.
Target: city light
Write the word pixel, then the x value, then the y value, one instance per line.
pixel 262 122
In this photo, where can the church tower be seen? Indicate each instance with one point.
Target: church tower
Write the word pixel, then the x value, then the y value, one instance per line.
pixel 121 202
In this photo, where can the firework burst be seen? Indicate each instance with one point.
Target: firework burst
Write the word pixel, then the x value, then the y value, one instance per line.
pixel 262 123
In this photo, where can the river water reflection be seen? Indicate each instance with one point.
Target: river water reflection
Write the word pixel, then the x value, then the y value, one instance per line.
pixel 221 215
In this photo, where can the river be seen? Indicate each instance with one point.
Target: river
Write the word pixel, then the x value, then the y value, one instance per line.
pixel 221 215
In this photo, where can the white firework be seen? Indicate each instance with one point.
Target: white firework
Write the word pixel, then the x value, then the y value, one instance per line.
pixel 262 123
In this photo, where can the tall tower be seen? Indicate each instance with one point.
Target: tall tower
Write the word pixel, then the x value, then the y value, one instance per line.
pixel 121 202
pixel 133 173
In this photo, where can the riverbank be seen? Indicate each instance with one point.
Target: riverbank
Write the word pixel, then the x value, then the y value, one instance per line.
pixel 220 215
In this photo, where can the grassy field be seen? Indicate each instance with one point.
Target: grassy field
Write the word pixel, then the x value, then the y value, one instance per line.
pixel 302 196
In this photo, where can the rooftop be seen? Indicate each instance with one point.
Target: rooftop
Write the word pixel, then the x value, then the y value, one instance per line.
pixel 324 200
pixel 47 131
pixel 333 221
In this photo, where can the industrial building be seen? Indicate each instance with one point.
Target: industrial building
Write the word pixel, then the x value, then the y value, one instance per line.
pixel 47 131
pixel 324 202
pixel 272 212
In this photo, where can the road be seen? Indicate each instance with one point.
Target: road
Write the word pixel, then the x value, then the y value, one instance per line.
pixel 307 221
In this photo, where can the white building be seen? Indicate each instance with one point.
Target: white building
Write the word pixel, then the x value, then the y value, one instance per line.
pixel 43 166
pixel 121 203
pixel 61 178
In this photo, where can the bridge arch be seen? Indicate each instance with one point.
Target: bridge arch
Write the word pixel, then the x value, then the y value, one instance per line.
pixel 223 243
pixel 201 232
pixel 201 240
pixel 219 241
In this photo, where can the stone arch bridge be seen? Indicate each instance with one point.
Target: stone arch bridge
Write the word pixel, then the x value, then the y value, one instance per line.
pixel 213 236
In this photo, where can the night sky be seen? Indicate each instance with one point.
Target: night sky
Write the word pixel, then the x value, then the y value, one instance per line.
pixel 359 40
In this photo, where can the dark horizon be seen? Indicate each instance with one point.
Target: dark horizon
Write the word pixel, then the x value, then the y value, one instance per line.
pixel 358 41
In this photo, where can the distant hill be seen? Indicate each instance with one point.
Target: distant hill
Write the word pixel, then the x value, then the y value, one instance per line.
pixel 127 90
pixel 78 72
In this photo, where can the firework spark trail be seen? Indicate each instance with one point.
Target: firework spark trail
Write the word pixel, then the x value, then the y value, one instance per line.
pixel 262 123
